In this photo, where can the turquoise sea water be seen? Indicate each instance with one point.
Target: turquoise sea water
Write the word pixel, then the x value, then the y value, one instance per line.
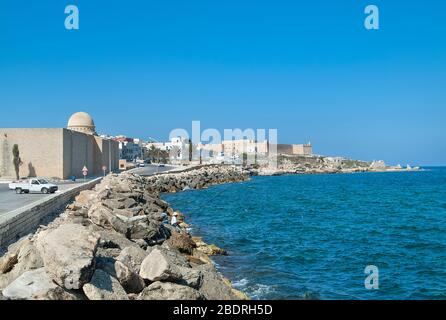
pixel 299 236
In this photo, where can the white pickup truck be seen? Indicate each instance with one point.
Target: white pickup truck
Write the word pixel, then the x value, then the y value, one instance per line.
pixel 33 185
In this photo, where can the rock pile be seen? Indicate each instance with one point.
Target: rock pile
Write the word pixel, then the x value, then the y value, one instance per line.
pixel 115 243
pixel 197 179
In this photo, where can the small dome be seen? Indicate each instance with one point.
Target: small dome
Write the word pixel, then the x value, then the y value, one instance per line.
pixel 82 122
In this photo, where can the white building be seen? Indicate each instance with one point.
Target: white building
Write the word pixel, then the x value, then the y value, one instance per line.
pixel 130 149
pixel 178 148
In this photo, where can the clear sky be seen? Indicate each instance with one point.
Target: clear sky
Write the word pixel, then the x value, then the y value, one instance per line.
pixel 308 68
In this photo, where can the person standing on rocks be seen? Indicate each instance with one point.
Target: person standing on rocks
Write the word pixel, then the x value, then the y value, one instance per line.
pixel 174 220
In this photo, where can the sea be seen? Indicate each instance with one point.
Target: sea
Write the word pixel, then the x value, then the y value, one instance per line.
pixel 327 236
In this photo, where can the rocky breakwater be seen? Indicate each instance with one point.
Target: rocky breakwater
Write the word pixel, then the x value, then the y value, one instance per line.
pixel 199 178
pixel 115 242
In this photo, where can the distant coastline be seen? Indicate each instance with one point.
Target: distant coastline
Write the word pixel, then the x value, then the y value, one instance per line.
pixel 324 165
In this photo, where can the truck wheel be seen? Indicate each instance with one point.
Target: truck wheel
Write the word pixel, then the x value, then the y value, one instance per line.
pixel 45 190
pixel 18 190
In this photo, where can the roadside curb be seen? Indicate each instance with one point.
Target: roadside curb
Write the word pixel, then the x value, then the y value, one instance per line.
pixel 19 222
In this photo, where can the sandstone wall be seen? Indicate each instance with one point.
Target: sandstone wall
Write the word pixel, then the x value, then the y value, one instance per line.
pixel 56 153
pixel 79 150
pixel 40 151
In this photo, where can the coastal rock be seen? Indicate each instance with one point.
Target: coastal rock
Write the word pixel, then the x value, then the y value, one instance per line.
pixel 181 241
pixel 130 280
pixel 126 213
pixel 174 256
pixel 36 285
pixel 104 287
pixel 112 239
pixel 129 203
pixel 104 217
pixel 106 264
pixel 140 227
pixel 132 257
pixel 209 249
pixel 8 261
pixel 28 258
pixel 122 187
pixel 158 267
pixel 10 258
pixel 190 277
pixel 213 286
pixel 169 291
pixel 68 254
pixel 101 216
pixel 85 198
pixel 113 204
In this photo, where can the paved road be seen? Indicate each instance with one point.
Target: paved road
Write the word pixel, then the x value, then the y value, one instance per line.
pixel 151 169
pixel 9 200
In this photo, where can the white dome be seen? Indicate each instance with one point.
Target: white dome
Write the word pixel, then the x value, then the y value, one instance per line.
pixel 82 122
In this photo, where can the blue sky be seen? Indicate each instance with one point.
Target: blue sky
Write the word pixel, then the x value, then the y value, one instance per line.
pixel 308 68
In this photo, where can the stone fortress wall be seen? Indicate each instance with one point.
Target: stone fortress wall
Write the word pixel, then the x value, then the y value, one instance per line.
pixel 57 152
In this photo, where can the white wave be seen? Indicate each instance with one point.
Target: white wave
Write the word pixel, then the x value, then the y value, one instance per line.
pixel 255 291
pixel 259 291
pixel 240 284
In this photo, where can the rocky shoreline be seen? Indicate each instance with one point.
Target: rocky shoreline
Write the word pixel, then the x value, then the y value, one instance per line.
pixel 324 165
pixel 116 242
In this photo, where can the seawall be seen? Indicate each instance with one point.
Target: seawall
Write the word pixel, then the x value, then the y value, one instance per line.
pixel 17 223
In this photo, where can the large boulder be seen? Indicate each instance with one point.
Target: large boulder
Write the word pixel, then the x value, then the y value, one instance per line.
pixel 129 203
pixel 104 217
pixel 113 204
pixel 36 285
pixel 112 238
pixel 169 291
pixel 181 241
pixel 126 213
pixel 10 258
pixel 132 257
pixel 29 258
pixel 22 258
pixel 122 187
pixel 68 254
pixel 85 198
pixel 160 266
pixel 130 280
pixel 214 287
pixel 104 287
pixel 140 227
